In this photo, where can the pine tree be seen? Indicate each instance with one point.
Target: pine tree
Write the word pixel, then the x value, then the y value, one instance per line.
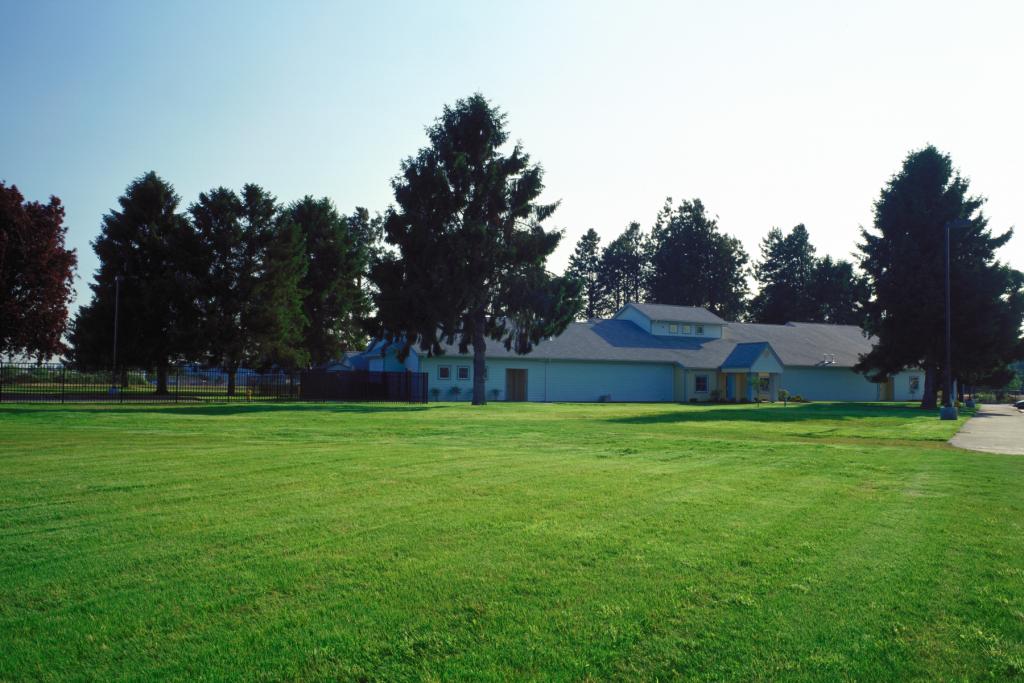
pixel 158 255
pixel 903 257
pixel 785 276
pixel 335 262
pixel 585 267
pixel 693 263
pixel 251 306
pixel 622 272
pixel 470 246
pixel 839 292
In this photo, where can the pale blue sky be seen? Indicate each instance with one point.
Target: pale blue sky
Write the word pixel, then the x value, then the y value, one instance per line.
pixel 772 113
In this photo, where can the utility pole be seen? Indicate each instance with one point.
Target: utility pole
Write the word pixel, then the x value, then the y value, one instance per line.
pixel 118 279
pixel 948 410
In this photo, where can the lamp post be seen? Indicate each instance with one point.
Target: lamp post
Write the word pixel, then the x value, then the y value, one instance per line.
pixel 948 410
pixel 118 279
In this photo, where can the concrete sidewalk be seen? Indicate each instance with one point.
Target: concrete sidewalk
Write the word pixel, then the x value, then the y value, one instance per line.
pixel 993 429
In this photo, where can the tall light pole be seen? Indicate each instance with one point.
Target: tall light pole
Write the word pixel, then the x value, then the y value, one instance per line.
pixel 118 279
pixel 948 410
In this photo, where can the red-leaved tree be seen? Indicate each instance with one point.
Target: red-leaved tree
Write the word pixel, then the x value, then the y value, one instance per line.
pixel 36 276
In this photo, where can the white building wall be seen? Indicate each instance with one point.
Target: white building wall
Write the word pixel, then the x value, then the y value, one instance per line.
pixel 828 384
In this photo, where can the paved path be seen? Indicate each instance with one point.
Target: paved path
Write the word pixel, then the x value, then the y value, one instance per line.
pixel 993 429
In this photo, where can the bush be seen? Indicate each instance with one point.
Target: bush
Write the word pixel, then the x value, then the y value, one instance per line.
pixel 783 395
pixel 455 392
pixel 435 394
pixel 495 393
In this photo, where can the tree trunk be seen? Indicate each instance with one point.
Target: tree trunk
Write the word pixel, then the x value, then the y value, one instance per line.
pixel 161 379
pixel 479 362
pixel 929 398
pixel 232 371
pixel 959 390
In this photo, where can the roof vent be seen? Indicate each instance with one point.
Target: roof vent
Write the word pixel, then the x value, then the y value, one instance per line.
pixel 830 359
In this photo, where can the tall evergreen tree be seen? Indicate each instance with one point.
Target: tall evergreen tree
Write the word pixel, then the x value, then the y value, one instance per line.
pixel 333 303
pixel 36 275
pixel 242 318
pixel 785 276
pixel 585 267
pixel 694 264
pixel 277 320
pixel 367 234
pixel 158 255
pixel 839 292
pixel 470 244
pixel 903 257
pixel 622 272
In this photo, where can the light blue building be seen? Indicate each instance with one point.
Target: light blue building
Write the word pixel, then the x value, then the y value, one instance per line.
pixel 657 353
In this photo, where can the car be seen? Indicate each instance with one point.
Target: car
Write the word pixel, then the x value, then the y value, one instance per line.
pixel 1019 405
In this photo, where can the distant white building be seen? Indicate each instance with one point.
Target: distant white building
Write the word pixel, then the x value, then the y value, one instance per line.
pixel 657 353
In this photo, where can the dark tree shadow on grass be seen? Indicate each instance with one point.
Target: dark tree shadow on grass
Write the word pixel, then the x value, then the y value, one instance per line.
pixel 220 409
pixel 778 413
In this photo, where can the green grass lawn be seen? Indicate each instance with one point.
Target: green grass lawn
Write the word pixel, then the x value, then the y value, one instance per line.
pixel 268 542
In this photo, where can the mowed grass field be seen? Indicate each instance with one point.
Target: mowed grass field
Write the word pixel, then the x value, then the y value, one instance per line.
pixel 563 542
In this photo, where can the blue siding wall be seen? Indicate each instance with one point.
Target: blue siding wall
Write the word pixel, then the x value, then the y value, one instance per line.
pixel 562 381
pixel 580 381
pixel 828 384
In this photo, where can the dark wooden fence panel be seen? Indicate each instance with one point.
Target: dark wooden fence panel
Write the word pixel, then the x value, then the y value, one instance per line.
pixel 405 387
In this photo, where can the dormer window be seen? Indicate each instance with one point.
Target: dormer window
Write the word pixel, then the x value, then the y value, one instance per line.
pixel 686 329
pixel 673 328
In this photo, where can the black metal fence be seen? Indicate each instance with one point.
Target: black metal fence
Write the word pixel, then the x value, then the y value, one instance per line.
pixel 57 383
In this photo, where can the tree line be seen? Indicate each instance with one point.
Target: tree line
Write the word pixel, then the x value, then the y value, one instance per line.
pixel 687 260
pixel 894 291
pixel 238 279
pixel 234 280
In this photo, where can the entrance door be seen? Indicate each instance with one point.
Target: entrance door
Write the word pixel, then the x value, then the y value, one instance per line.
pixel 515 385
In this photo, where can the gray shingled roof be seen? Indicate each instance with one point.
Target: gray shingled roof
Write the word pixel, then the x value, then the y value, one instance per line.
pixel 686 314
pixel 796 344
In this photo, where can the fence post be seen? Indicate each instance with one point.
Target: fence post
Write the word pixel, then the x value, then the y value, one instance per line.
pixel 63 371
pixel 2 374
pixel 177 383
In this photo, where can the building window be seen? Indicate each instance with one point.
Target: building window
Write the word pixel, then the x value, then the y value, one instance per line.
pixel 915 384
pixel 673 328
pixel 463 372
pixel 698 329
pixel 686 329
pixel 700 384
pixel 764 384
pixel 444 372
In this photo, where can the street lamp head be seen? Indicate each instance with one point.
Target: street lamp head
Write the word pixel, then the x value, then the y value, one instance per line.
pixel 958 224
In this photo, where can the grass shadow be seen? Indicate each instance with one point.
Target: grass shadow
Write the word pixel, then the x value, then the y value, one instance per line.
pixel 778 413
pixel 219 409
